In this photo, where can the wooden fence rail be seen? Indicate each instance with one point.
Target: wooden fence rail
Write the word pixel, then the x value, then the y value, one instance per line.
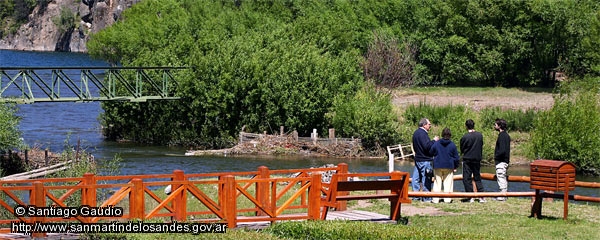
pixel 492 177
pixel 227 197
pixel 272 194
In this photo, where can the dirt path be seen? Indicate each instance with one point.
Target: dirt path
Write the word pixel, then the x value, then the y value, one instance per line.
pixel 412 209
pixel 524 100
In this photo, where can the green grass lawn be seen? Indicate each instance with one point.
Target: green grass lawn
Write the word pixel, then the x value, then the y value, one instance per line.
pixel 490 220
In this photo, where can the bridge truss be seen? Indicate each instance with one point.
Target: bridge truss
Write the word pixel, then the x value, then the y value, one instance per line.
pixel 85 84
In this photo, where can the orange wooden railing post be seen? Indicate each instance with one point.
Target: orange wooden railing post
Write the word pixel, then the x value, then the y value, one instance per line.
pixel 88 193
pixel 314 197
pixel 262 189
pixel 342 205
pixel 38 198
pixel 179 202
pixel 230 201
pixel 136 200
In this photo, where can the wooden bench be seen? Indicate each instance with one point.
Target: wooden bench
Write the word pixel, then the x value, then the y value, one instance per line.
pixel 338 188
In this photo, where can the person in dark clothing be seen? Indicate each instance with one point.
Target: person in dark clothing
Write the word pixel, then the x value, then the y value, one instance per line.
pixel 502 156
pixel 422 145
pixel 445 163
pixel 471 147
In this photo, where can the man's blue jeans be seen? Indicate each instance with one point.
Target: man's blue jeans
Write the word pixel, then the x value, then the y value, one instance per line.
pixel 419 181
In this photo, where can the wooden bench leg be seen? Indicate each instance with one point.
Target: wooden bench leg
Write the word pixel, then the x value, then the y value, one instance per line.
pixel 395 209
pixel 324 213
pixel 536 207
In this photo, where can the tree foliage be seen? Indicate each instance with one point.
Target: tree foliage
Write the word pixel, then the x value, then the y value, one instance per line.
pixel 10 135
pixel 264 64
pixel 13 13
pixel 247 70
pixel 388 63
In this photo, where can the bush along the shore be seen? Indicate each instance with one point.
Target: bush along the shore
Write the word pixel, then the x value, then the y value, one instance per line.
pixel 570 131
pixel 368 115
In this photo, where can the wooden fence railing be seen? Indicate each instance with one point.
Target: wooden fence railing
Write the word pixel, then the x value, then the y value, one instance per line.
pixel 492 177
pixel 230 197
pixel 227 197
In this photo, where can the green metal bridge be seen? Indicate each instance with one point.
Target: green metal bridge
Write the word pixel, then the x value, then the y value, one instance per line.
pixel 85 84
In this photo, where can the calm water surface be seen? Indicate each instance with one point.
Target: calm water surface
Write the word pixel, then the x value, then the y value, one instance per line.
pixel 53 125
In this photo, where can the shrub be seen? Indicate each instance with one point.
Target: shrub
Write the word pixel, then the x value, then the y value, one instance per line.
pixel 367 115
pixel 516 119
pixel 10 135
pixel 450 116
pixel 570 130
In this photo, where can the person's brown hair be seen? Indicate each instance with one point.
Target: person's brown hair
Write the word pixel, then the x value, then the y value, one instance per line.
pixel 446 134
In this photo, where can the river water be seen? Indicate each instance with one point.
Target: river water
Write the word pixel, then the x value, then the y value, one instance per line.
pixel 50 125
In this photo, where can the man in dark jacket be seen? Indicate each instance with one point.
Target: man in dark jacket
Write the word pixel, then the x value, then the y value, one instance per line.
pixel 502 156
pixel 471 147
pixel 422 145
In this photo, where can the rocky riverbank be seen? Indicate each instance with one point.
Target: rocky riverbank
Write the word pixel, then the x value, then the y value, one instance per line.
pixel 282 145
pixel 64 25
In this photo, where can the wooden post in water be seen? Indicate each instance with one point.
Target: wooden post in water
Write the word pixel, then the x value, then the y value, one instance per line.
pixel 295 135
pixel 391 162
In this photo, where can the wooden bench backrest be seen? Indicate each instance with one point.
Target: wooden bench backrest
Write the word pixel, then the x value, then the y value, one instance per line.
pixel 397 184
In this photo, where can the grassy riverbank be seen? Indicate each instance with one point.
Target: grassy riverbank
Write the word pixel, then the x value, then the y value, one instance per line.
pixel 490 220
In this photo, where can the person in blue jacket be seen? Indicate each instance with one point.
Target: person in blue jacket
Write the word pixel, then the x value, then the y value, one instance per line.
pixel 445 163
pixel 421 146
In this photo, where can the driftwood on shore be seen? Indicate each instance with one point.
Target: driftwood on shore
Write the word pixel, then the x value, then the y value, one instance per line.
pixel 253 143
pixel 38 172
